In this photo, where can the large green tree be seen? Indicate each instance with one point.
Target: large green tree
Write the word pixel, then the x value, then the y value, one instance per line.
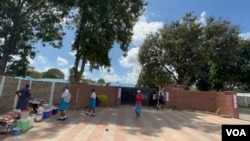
pixel 152 74
pixel 241 67
pixel 53 73
pixel 23 23
pixel 177 49
pixel 101 82
pixel 153 77
pixel 34 74
pixel 209 55
pixel 222 41
pixel 100 24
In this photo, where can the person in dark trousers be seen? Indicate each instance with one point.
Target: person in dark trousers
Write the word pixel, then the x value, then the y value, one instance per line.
pixel 154 99
pixel 138 103
pixel 161 101
pixel 23 98
pixel 92 104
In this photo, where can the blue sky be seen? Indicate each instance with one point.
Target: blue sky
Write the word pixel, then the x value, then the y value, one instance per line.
pixel 158 13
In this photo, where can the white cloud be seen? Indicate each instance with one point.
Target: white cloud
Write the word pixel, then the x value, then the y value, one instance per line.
pixel 108 76
pixel 72 53
pixel 107 70
pixel 1 41
pixel 69 19
pixel 131 61
pixel 32 61
pixel 202 19
pixel 42 59
pixel 61 61
pixel 142 28
pixel 65 71
pixel 16 57
pixel 112 77
pixel 132 77
pixel 245 36
pixel 46 68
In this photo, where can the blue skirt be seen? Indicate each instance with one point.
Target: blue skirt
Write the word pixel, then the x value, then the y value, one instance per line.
pixel 92 103
pixel 63 105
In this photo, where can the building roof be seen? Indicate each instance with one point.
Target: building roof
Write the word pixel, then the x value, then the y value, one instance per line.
pixel 243 94
pixel 52 80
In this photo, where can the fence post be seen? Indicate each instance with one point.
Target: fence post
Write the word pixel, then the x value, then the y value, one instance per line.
pixel 16 97
pixel 51 94
pixel 1 85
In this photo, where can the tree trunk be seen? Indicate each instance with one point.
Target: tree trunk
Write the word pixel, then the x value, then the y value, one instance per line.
pixel 3 62
pixel 78 74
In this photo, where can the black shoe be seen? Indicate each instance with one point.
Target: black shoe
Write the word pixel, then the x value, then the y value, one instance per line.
pixel 60 119
pixel 86 114
pixel 64 118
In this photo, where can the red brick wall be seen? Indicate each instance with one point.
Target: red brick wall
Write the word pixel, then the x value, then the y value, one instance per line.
pixel 200 100
pixel 178 97
pixel 226 102
pixel 81 100
pixel 192 100
pixel 172 87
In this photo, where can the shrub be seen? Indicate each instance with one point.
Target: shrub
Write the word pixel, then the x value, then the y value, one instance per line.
pixel 218 111
pixel 174 107
pixel 102 98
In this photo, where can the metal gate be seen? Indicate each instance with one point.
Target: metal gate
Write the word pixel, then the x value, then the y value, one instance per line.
pixel 128 95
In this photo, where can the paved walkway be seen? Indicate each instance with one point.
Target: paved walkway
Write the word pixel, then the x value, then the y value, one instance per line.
pixel 120 124
pixel 244 114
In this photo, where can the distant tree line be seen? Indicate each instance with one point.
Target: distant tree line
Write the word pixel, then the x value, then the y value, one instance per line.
pixel 55 73
pixel 51 73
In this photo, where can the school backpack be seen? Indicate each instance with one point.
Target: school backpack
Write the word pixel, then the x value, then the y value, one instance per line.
pixel 97 101
pixel 161 97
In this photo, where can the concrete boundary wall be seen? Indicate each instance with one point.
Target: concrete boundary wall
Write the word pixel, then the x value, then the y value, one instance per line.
pixel 10 85
pixel 52 91
pixel 81 93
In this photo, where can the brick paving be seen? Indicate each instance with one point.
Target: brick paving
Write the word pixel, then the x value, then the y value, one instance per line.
pixel 120 124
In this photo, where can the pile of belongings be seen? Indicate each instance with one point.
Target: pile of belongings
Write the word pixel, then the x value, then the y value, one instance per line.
pixel 7 121
pixel 43 100
pixel 34 101
pixel 9 116
pixel 39 100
